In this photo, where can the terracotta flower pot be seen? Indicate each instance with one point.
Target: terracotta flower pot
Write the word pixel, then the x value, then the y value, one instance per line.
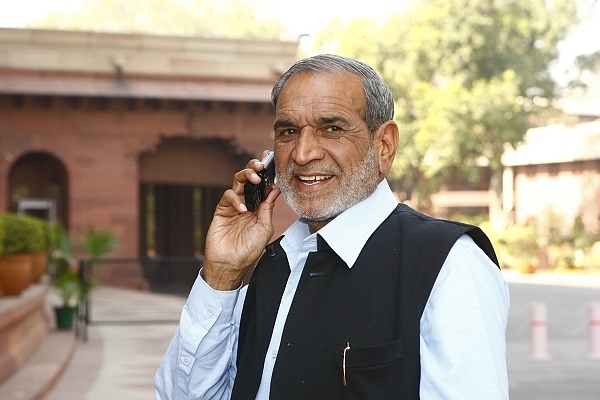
pixel 39 261
pixel 15 273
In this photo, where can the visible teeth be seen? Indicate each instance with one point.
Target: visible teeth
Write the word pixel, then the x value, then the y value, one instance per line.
pixel 313 178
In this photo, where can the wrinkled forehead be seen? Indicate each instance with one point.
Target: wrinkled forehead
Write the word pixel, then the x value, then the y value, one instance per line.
pixel 335 83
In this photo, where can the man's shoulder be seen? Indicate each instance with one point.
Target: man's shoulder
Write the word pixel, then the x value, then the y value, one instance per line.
pixel 408 218
pixel 421 230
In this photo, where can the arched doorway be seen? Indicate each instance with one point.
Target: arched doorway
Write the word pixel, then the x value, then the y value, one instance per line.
pixel 181 183
pixel 40 178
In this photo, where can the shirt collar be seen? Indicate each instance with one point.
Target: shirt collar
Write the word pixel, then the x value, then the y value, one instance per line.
pixel 349 231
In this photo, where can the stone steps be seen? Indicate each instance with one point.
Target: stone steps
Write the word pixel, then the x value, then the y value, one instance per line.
pixel 37 376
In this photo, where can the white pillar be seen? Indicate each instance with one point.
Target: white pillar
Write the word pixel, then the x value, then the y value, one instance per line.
pixel 594 331
pixel 539 332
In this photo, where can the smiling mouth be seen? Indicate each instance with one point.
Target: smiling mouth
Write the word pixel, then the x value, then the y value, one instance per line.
pixel 313 180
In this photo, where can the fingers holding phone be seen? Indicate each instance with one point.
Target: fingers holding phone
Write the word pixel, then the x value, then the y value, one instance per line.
pixel 239 232
pixel 254 194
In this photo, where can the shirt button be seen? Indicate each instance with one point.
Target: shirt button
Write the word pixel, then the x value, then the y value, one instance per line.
pixel 185 360
pixel 209 310
pixel 274 354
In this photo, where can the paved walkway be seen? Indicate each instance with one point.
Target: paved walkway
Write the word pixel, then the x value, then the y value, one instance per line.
pixel 118 362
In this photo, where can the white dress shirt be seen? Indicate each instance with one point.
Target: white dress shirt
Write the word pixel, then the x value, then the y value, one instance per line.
pixel 463 351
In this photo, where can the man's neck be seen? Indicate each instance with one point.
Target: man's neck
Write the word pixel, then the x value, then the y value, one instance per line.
pixel 314 226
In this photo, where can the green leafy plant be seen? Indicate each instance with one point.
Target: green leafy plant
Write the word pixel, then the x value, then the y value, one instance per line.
pixel 98 242
pixel 68 287
pixel 47 232
pixel 22 234
pixel 60 255
pixel 516 246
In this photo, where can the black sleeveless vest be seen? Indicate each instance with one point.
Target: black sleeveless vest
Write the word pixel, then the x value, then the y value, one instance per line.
pixel 375 306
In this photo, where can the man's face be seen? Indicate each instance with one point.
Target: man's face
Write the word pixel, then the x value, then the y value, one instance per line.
pixel 323 151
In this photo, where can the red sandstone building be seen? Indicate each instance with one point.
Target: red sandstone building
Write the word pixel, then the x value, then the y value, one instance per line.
pixel 133 133
pixel 140 134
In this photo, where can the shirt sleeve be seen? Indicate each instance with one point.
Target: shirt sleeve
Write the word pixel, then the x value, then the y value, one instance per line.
pixel 463 326
pixel 200 361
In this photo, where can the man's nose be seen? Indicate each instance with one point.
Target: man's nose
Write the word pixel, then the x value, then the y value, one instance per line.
pixel 308 147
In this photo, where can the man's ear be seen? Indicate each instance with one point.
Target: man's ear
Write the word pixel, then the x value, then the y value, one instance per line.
pixel 385 141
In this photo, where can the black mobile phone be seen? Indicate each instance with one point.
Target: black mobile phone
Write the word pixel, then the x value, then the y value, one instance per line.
pixel 255 194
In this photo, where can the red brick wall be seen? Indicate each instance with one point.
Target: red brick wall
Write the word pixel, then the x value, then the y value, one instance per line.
pixel 100 141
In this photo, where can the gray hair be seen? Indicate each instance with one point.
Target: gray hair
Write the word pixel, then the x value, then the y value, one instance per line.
pixel 379 102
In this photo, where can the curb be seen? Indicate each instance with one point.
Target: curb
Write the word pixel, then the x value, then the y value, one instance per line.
pixel 35 379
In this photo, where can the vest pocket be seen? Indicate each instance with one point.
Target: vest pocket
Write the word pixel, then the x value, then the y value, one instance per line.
pixel 373 372
pixel 373 356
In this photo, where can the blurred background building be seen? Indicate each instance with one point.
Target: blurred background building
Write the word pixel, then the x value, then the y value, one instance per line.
pixel 138 133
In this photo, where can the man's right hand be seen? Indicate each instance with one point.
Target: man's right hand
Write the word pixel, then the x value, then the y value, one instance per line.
pixel 237 237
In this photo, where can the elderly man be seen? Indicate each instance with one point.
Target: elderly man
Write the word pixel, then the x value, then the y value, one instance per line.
pixel 362 297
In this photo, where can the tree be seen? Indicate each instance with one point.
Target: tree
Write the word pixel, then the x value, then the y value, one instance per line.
pixel 207 18
pixel 467 76
pixel 587 68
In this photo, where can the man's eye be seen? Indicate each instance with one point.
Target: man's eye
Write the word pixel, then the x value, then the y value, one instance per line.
pixel 287 132
pixel 332 129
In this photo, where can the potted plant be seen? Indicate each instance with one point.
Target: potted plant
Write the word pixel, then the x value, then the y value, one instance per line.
pixel 65 279
pixel 21 238
pixel 68 288
pixel 70 285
